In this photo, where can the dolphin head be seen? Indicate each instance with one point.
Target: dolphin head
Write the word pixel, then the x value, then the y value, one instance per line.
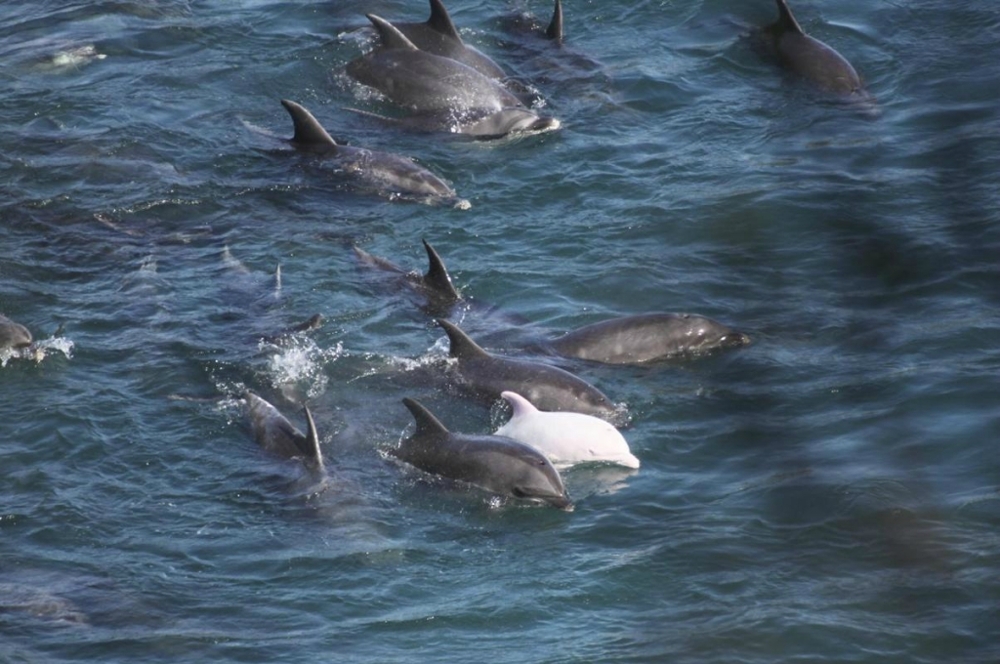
pixel 510 121
pixel 537 479
pixel 704 335
pixel 13 335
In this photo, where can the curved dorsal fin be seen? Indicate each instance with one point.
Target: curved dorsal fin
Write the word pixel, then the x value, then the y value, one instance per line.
pixel 441 22
pixel 520 405
pixel 786 21
pixel 390 35
pixel 437 276
pixel 461 345
pixel 308 130
pixel 555 29
pixel 426 422
pixel 311 443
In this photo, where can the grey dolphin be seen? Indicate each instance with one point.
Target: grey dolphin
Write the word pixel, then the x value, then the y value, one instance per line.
pixel 442 94
pixel 495 463
pixel 810 58
pixel 277 435
pixel 547 387
pixel 435 284
pixel 647 338
pixel 438 35
pixel 13 336
pixel 389 174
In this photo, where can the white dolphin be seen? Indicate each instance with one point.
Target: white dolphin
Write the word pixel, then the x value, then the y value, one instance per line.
pixel 566 438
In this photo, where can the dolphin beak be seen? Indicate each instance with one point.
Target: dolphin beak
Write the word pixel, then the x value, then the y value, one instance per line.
pixel 562 502
pixel 735 339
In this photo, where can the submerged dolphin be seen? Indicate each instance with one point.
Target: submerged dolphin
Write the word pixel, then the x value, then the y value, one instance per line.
pixel 810 58
pixel 390 174
pixel 494 463
pixel 441 93
pixel 566 438
pixel 277 435
pixel 438 35
pixel 435 284
pixel 647 338
pixel 548 387
pixel 13 336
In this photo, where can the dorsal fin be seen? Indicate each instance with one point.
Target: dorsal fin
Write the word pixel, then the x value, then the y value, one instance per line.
pixel 437 276
pixel 786 21
pixel 308 131
pixel 441 22
pixel 390 35
pixel 461 345
pixel 555 29
pixel 426 422
pixel 311 446
pixel 520 405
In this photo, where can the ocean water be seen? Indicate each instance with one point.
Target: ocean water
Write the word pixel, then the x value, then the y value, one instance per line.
pixel 830 493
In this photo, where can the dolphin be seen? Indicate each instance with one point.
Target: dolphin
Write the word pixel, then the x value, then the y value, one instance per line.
pixel 13 336
pixel 810 58
pixel 277 435
pixel 647 338
pixel 495 463
pixel 389 174
pixel 566 438
pixel 525 23
pixel 438 35
pixel 440 93
pixel 548 387
pixel 435 284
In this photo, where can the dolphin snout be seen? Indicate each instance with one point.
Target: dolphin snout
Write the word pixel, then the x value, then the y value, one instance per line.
pixel 734 340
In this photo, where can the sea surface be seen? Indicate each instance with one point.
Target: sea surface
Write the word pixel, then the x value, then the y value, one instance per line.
pixel 830 493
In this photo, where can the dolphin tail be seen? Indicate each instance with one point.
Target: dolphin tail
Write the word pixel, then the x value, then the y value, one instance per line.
pixel 786 21
pixel 437 276
pixel 390 35
pixel 308 131
pixel 426 422
pixel 461 345
pixel 555 29
pixel 441 22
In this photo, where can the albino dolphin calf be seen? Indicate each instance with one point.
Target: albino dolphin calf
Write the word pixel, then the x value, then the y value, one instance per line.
pixel 647 338
pixel 389 174
pixel 494 463
pixel 13 336
pixel 275 434
pixel 550 388
pixel 566 438
pixel 810 58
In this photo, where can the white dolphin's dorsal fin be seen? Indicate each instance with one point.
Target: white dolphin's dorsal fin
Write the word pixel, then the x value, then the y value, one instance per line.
pixel 786 21
pixel 390 35
pixel 312 450
pixel 308 130
pixel 461 345
pixel 437 275
pixel 441 22
pixel 555 29
pixel 520 405
pixel 426 422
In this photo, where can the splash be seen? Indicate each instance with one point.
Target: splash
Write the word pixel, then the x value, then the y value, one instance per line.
pixel 299 361
pixel 38 351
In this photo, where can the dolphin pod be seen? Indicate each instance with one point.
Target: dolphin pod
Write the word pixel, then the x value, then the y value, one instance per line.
pixel 495 463
pixel 647 338
pixel 389 174
pixel 275 434
pixel 548 387
pixel 442 94
pixel 810 58
pixel 566 438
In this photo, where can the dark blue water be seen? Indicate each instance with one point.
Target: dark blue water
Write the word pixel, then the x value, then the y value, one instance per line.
pixel 829 493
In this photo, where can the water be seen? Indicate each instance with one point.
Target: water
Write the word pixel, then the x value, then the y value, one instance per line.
pixel 829 493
